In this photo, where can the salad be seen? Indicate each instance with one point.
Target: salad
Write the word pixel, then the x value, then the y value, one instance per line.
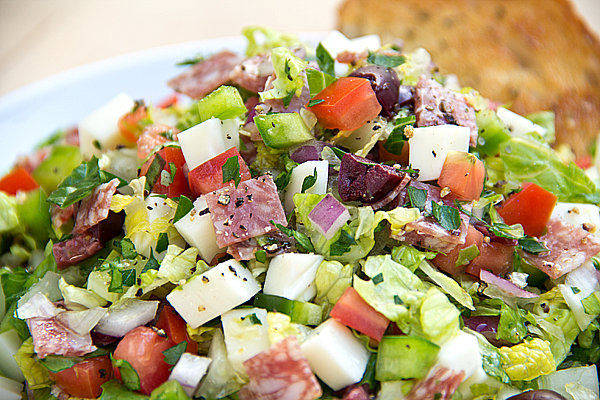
pixel 338 221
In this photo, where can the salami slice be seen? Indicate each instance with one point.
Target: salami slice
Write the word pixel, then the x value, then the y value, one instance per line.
pixel 280 373
pixel 51 337
pixel 95 207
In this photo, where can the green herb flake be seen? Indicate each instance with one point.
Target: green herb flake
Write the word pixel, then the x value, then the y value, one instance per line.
pixel 231 170
pixel 325 61
pixel 342 245
pixel 398 300
pixel 377 279
pixel 309 181
pixel 128 249
pixel 302 241
pixel 162 243
pixel 417 197
pixel 59 363
pixel 154 171
pixel 252 318
pixel 314 102
pixel 575 290
pixel 129 276
pixel 152 263
pixel 129 376
pixel 385 61
pixel 173 170
pixel 173 354
pixel 190 61
pixel 466 255
pixel 116 281
pixel 448 217
pixel 261 256
pixel 184 206
pixel 532 246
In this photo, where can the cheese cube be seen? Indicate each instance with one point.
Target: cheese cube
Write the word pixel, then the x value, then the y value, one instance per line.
pixel 244 336
pixel 335 355
pixel 197 229
pixel 216 291
pixel 291 275
pixel 99 131
pixel 297 179
pixel 586 216
pixel 429 146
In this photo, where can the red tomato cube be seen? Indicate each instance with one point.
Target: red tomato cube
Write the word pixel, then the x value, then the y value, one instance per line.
pixel 85 378
pixel 352 311
pixel 531 207
pixel 208 177
pixel 464 174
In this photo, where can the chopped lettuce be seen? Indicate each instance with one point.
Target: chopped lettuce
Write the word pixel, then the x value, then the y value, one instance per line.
pixel 77 298
pixel 528 360
pixel 9 220
pixel 290 81
pixel 332 279
pixel 35 373
pixel 580 392
pixel 169 390
pixel 511 326
pixel 262 38
pixel 178 263
pixel 393 289
pixel 448 284
pixel 439 317
pixel 281 326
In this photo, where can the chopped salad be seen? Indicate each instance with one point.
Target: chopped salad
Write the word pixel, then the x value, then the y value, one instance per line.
pixel 339 221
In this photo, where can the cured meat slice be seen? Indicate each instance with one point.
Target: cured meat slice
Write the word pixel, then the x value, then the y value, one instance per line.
pixel 280 373
pixel 252 73
pixel 439 385
pixel 60 216
pixel 569 247
pixel 76 249
pixel 51 337
pixel 274 243
pixel 246 211
pixel 95 207
pixel 206 76
pixel 436 105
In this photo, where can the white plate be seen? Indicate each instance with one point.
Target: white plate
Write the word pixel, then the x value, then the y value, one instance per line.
pixel 33 112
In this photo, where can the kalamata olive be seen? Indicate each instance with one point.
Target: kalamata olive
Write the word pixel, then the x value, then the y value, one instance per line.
pixel 406 95
pixel 385 84
pixel 487 325
pixel 542 394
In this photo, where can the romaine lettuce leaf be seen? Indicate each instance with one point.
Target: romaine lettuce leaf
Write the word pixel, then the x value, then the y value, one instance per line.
pixel 332 279
pixel 289 81
pixel 262 38
pixel 178 263
pixel 448 284
pixel 439 317
pixel 170 390
pixel 9 220
pixel 35 373
pixel 528 360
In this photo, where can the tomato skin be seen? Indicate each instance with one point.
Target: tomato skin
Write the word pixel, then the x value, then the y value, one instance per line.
pixel 494 257
pixel 17 180
pixel 447 262
pixel 208 176
pixel 142 347
pixel 348 104
pixel 85 378
pixel 531 207
pixel 174 326
pixel 351 310
pixel 130 125
pixel 464 174
pixel 179 186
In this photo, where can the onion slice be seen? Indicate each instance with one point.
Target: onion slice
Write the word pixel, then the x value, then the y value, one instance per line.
pixel 126 316
pixel 328 216
pixel 503 289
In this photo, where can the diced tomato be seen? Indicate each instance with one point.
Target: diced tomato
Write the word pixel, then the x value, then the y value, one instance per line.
pixel 85 378
pixel 17 180
pixel 151 137
pixel 447 262
pixel 179 186
pixel 174 326
pixel 168 101
pixel 208 176
pixel 143 349
pixel 494 257
pixel 348 104
pixel 132 123
pixel 351 310
pixel 464 174
pixel 531 207
pixel 585 162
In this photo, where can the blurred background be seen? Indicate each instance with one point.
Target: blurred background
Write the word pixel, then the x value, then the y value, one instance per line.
pixel 39 38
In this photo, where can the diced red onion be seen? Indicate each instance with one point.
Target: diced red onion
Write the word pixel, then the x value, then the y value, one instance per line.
pixel 123 318
pixel 505 286
pixel 328 216
pixel 310 151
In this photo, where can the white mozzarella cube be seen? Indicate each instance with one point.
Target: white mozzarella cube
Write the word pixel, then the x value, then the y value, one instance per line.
pixel 292 275
pixel 99 131
pixel 9 344
pixel 335 355
pixel 461 353
pixel 10 389
pixel 336 42
pixel 243 337
pixel 197 229
pixel 204 141
pixel 586 216
pixel 517 124
pixel 429 146
pixel 189 370
pixel 216 291
pixel 297 178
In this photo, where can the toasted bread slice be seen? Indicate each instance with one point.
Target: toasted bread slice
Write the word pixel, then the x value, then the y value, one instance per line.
pixel 531 55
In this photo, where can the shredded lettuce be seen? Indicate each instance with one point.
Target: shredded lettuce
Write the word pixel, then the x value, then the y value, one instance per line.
pixel 35 373
pixel 178 263
pixel 288 68
pixel 439 317
pixel 77 298
pixel 9 220
pixel 281 326
pixel 169 390
pixel 448 284
pixel 332 279
pixel 262 38
pixel 528 360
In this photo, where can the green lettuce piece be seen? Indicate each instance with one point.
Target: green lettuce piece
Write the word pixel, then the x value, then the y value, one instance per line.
pixel 511 326
pixel 412 258
pixel 170 390
pixel 9 220
pixel 113 390
pixel 526 160
pixel 34 372
pixel 491 358
pixel 178 263
pixel 528 360
pixel 559 326
pixel 266 157
pixel 262 38
pixel 580 392
pixel 393 289
pixel 439 317
pixel 332 279
pixel 591 304
pixel 289 81
pixel 76 297
pixel 544 119
pixel 448 284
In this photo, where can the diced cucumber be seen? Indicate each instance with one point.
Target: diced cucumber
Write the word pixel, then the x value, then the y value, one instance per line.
pixel 56 167
pixel 281 131
pixel 34 214
pixel 223 103
pixel 300 312
pixel 405 357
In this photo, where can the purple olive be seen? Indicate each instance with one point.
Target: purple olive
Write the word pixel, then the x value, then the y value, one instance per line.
pixel 488 326
pixel 385 84
pixel 542 394
pixel 406 95
pixel 110 227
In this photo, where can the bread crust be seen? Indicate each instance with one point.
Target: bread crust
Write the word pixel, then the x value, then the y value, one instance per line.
pixel 531 55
